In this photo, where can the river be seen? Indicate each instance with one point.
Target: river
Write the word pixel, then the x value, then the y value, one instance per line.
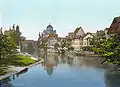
pixel 65 71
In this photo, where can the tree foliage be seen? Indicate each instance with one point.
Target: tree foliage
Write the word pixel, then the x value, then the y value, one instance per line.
pixel 18 35
pixel 14 34
pixel 30 48
pixel 109 49
pixel 9 41
pixel 7 46
pixel 56 46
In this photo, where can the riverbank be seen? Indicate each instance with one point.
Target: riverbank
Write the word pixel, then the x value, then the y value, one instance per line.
pixel 19 69
pixel 15 63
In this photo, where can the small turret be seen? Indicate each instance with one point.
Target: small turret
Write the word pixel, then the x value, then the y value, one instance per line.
pixel 13 27
pixel 39 35
pixel 1 33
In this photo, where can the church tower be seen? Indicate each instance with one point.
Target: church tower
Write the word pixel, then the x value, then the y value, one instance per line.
pixel 39 35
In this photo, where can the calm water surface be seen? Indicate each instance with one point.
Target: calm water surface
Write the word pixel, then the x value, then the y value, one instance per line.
pixel 64 71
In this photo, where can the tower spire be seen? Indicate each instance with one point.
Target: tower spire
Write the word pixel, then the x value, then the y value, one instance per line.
pixel 1 33
pixel 9 27
pixel 49 23
pixel 39 35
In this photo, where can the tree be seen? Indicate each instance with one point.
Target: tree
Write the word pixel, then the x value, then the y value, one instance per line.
pixel 7 46
pixel 15 34
pixel 18 34
pixel 22 39
pixel 30 48
pixel 56 46
pixel 109 49
pixel 69 44
pixel 43 46
pixel 11 34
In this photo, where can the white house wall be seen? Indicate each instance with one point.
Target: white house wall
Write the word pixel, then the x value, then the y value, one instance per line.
pixel 77 44
pixel 85 42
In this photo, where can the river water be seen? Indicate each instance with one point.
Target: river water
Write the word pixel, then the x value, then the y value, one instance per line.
pixel 65 71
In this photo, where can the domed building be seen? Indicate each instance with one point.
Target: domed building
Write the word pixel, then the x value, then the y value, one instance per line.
pixel 49 30
pixel 48 36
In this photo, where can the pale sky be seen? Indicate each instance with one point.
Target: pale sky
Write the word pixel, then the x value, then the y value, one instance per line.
pixel 64 15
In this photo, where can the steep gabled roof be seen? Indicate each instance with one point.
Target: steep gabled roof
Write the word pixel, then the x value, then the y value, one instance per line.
pixel 77 29
pixel 93 34
pixel 88 33
pixel 115 26
pixel 71 33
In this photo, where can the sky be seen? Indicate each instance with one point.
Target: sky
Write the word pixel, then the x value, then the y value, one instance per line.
pixel 65 16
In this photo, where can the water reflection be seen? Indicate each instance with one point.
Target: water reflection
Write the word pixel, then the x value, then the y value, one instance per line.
pixel 75 64
pixel 53 60
pixel 6 82
pixel 112 79
pixel 50 63
pixel 70 61
pixel 21 72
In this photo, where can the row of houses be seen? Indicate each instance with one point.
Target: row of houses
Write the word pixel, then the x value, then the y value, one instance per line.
pixel 80 38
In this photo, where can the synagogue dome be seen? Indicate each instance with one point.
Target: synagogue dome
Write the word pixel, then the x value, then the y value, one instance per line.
pixel 49 27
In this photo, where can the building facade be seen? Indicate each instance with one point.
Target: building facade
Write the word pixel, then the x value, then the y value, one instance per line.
pixel 77 43
pixel 48 37
pixel 49 30
pixel 80 38
pixel 77 40
pixel 87 38
pixel 115 26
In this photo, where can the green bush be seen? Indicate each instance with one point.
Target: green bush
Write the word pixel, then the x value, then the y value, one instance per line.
pixel 109 49
pixel 87 48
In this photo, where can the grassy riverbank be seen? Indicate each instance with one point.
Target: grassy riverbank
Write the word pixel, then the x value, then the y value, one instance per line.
pixel 14 60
